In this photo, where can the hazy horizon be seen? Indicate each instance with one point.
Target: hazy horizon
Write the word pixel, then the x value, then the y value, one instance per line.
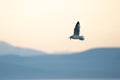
pixel 46 25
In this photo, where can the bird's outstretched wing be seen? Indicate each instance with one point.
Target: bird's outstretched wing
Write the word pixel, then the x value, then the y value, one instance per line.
pixel 77 29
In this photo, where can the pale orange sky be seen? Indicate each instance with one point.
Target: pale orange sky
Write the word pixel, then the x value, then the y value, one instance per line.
pixel 46 24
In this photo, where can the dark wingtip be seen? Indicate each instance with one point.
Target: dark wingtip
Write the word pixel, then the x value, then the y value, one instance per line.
pixel 77 22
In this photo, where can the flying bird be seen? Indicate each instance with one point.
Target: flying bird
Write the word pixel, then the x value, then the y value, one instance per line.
pixel 76 32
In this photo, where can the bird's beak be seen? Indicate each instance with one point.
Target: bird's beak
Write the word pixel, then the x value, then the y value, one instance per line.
pixel 69 38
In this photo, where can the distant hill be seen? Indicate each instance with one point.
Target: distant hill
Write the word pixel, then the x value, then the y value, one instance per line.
pixel 6 49
pixel 93 63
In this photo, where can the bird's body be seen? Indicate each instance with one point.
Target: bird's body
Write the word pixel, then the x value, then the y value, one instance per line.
pixel 76 33
pixel 77 37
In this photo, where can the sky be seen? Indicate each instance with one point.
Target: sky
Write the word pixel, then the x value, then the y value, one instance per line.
pixel 46 25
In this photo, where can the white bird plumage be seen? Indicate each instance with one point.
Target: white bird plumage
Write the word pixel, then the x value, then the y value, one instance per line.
pixel 76 32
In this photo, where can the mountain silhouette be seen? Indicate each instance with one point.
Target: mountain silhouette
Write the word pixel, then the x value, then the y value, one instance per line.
pixel 93 63
pixel 6 49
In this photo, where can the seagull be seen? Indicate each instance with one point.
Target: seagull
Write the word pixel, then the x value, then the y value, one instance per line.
pixel 76 32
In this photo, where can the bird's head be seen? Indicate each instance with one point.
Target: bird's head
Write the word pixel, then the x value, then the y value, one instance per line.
pixel 71 37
